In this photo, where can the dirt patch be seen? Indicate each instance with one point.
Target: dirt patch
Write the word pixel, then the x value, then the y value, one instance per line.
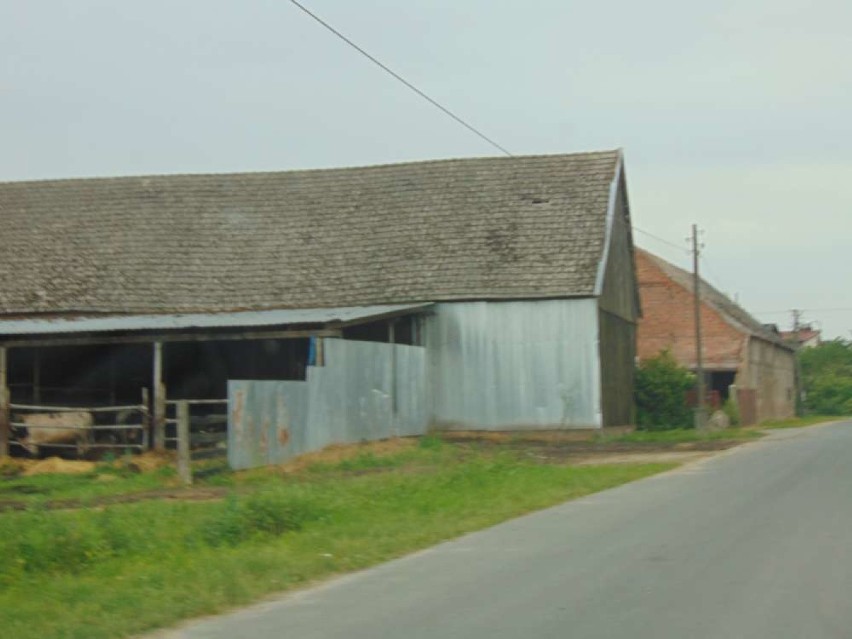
pixel 337 453
pixel 532 436
pixel 676 457
pixel 57 465
pixel 559 450
pixel 147 461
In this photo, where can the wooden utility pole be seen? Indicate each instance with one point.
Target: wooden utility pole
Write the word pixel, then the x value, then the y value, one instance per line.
pixel 700 411
pixel 159 399
pixel 797 364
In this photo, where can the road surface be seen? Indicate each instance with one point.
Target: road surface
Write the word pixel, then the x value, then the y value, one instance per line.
pixel 753 543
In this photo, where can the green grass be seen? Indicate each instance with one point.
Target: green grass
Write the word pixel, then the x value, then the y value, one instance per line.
pixel 104 481
pixel 128 568
pixel 797 422
pixel 679 435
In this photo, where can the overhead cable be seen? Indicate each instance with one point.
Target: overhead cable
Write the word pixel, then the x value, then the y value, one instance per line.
pixel 401 79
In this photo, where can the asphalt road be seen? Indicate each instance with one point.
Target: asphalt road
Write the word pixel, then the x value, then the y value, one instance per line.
pixel 752 543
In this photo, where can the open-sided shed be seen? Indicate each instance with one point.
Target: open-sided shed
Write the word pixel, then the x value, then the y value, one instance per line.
pixel 514 274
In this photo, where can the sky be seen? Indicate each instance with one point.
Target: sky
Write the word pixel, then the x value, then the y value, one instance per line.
pixel 733 115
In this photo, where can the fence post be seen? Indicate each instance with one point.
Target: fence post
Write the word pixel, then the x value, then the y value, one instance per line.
pixel 183 466
pixel 146 418
pixel 159 399
pixel 5 412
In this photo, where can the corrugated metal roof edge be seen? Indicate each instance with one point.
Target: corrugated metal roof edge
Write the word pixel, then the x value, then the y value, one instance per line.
pixel 22 314
pixel 183 321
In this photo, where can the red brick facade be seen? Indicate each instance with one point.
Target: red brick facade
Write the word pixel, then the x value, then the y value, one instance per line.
pixel 759 366
pixel 668 322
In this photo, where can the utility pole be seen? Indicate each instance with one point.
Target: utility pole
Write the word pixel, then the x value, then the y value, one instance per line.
pixel 797 325
pixel 700 410
pixel 797 364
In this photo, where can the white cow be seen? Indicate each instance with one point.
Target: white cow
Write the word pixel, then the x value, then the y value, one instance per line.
pixel 46 429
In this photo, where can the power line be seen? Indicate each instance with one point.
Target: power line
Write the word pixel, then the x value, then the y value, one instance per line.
pixel 786 311
pixel 660 239
pixel 400 78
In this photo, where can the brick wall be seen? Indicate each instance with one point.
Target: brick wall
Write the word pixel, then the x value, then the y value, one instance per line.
pixel 668 322
pixel 764 369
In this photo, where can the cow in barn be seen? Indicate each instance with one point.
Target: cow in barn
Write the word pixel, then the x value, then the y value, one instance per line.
pixel 50 429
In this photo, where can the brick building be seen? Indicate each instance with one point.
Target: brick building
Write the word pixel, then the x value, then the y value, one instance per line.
pixel 737 349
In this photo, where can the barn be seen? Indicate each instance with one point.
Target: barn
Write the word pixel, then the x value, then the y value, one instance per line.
pixel 744 361
pixel 493 293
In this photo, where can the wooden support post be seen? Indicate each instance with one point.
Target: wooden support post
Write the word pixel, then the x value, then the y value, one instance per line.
pixel 36 376
pixel 146 418
pixel 5 416
pixel 184 467
pixel 112 382
pixel 159 399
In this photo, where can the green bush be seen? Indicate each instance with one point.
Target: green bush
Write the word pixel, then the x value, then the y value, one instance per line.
pixel 731 409
pixel 830 395
pixel 827 378
pixel 661 387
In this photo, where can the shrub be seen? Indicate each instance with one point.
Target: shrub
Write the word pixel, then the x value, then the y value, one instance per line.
pixel 731 409
pixel 267 513
pixel 661 386
pixel 827 377
pixel 830 395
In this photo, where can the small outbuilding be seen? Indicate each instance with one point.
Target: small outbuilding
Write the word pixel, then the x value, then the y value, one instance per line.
pixel 511 278
pixel 738 351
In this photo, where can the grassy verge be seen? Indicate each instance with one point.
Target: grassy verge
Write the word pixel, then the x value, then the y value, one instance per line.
pixel 797 422
pixel 679 435
pixel 124 569
pixel 103 481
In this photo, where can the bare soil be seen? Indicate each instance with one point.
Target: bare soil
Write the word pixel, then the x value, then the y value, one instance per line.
pixel 581 449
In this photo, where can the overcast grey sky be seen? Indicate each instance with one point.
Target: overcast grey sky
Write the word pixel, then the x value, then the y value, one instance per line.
pixel 732 114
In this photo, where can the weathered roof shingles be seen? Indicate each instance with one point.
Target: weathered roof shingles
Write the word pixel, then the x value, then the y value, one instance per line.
pixel 455 229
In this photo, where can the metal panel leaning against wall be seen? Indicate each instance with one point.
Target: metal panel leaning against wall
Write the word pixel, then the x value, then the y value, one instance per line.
pixel 514 365
pixel 365 391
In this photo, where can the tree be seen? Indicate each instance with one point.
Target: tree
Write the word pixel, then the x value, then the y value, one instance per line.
pixel 827 377
pixel 661 387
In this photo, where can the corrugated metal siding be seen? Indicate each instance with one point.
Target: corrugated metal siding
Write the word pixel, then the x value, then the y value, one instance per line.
pixel 509 365
pixel 365 391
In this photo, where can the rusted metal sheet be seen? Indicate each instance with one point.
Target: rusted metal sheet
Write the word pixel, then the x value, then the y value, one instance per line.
pixel 364 391
pixel 515 365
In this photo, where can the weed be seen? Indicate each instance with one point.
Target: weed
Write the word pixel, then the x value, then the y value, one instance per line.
pixel 430 442
pixel 271 512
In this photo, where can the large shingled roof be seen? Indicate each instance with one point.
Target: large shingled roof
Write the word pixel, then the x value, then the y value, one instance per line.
pixel 495 228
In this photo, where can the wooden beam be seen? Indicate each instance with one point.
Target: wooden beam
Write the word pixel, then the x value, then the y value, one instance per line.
pixel 36 376
pixel 30 342
pixel 159 398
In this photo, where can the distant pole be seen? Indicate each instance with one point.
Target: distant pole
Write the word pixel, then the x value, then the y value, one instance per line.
pixel 797 324
pixel 799 404
pixel 700 412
